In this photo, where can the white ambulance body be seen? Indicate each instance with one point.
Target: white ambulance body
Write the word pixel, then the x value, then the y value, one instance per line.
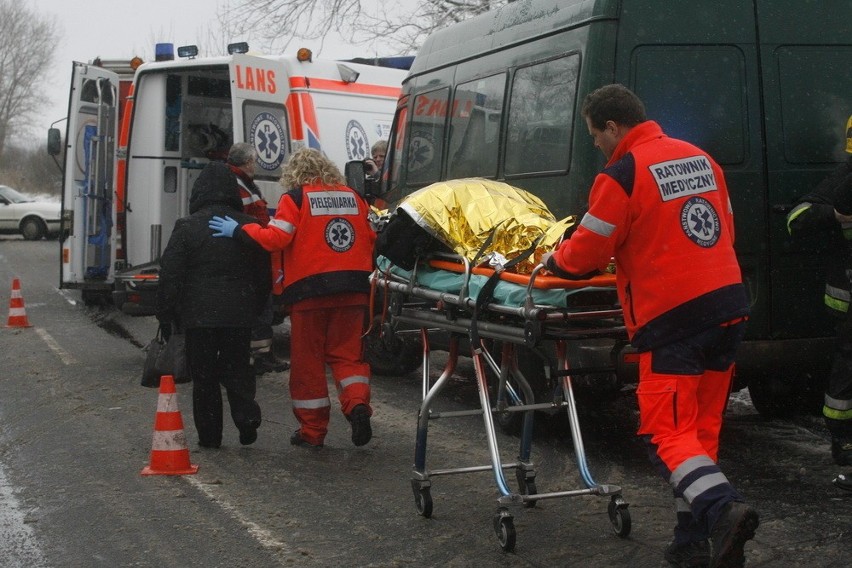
pixel 127 181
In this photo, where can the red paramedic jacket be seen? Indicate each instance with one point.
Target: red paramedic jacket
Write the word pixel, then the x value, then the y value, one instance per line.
pixel 326 238
pixel 661 209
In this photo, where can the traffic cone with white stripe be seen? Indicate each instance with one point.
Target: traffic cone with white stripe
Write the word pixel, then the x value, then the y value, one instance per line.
pixel 169 453
pixel 17 311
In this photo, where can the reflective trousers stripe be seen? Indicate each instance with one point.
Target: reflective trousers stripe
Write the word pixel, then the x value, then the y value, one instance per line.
pixel 689 466
pixel 836 414
pixel 704 484
pixel 312 403
pixel 837 404
pixel 353 380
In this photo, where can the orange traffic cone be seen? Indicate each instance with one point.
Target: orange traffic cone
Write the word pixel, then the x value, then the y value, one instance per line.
pixel 169 454
pixel 17 311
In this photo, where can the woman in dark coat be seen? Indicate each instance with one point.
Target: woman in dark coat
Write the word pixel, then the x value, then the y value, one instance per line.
pixel 213 289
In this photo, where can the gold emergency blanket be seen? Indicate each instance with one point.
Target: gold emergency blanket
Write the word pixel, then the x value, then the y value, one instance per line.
pixel 462 213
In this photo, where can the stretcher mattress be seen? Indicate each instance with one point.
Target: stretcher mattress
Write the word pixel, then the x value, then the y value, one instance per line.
pixel 448 276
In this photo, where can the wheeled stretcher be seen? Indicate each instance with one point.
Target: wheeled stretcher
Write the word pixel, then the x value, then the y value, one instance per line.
pixel 444 293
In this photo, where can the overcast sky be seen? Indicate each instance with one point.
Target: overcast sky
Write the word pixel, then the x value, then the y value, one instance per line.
pixel 119 29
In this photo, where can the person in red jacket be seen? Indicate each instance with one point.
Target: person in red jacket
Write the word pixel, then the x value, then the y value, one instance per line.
pixel 323 229
pixel 242 160
pixel 660 208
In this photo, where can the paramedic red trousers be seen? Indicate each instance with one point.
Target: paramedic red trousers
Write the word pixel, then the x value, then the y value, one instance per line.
pixel 327 330
pixel 682 394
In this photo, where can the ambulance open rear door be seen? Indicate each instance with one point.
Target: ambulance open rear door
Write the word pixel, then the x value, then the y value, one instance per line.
pixel 260 96
pixel 88 181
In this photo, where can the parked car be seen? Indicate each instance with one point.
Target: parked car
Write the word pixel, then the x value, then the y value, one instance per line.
pixel 32 218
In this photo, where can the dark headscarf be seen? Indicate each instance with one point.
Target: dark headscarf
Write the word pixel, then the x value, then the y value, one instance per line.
pixel 215 184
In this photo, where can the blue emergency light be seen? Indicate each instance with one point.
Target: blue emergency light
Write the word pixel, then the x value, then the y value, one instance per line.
pixel 164 52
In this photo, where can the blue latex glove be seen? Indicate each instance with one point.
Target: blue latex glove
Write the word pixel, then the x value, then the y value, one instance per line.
pixel 223 227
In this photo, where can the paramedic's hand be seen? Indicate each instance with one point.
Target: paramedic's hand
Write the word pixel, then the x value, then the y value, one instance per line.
pixel 224 227
pixel 550 264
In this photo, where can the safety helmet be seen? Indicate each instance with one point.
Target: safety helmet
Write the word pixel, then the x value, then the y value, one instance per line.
pixel 849 135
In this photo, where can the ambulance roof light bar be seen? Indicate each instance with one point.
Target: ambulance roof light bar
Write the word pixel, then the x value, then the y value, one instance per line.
pixel 188 51
pixel 240 47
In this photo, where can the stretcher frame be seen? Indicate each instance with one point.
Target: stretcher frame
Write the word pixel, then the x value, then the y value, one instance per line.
pixel 530 325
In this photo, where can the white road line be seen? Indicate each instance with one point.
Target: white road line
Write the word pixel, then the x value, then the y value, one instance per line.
pixel 68 298
pixel 64 355
pixel 261 535
pixel 18 545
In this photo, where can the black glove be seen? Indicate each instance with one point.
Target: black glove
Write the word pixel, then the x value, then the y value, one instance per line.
pixel 165 331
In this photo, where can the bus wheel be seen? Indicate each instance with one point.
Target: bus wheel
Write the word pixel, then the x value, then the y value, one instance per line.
pixel 779 396
pixel 773 396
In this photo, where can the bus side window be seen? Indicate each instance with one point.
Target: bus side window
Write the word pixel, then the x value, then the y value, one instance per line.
pixel 174 85
pixel 475 128
pixel 426 136
pixel 541 117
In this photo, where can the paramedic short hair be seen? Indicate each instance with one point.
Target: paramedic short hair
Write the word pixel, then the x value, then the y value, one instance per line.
pixel 241 153
pixel 616 103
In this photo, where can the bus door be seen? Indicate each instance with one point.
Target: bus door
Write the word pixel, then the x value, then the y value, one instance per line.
pixel 88 185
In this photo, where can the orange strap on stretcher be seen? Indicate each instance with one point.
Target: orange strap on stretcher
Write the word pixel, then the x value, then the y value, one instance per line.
pixel 541 282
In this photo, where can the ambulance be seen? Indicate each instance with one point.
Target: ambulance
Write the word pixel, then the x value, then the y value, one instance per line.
pixel 134 147
pixel 762 85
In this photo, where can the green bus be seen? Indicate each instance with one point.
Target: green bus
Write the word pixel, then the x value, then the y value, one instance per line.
pixel 764 86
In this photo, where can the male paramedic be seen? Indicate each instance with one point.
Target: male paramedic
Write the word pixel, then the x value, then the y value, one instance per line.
pixel 660 207
pixel 323 229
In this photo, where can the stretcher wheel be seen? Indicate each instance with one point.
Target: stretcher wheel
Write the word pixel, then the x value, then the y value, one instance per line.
pixel 619 516
pixel 504 528
pixel 529 488
pixel 423 502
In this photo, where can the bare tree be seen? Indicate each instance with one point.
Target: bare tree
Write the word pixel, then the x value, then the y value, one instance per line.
pixel 401 25
pixel 29 44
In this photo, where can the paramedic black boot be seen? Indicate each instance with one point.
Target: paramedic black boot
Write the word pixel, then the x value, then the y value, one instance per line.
pixel 734 527
pixel 359 419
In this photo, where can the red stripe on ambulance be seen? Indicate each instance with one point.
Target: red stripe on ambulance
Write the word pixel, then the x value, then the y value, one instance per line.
pixel 340 86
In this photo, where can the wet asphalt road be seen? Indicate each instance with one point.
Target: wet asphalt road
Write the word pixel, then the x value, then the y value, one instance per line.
pixel 75 431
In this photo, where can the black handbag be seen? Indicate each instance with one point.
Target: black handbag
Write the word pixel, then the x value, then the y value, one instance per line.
pixel 165 358
pixel 150 373
pixel 172 358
